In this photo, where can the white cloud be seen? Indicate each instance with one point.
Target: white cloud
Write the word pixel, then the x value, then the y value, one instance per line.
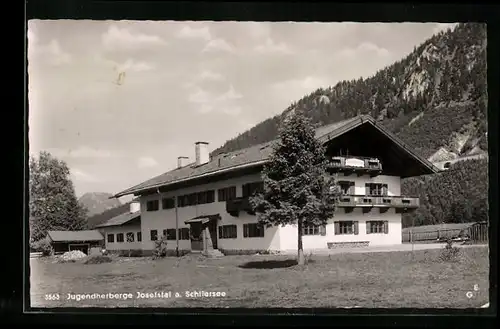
pixel 216 45
pixel 81 152
pixel 51 52
pixel 82 176
pixel 209 75
pixel 206 102
pixel 131 65
pixel 232 110
pixel 443 27
pixel 272 47
pixel 258 30
pixel 295 88
pixel 364 49
pixel 200 96
pixel 122 38
pixel 231 94
pixel 188 32
pixel 146 162
pixel 127 66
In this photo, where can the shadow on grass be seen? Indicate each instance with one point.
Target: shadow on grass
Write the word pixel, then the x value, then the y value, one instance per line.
pixel 270 264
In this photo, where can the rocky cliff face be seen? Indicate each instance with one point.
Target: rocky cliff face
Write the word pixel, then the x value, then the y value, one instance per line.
pixel 434 99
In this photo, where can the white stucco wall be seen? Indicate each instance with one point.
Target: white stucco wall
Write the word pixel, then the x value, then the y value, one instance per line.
pixel 165 219
pixel 277 238
pixel 288 234
pixel 122 229
pixel 393 183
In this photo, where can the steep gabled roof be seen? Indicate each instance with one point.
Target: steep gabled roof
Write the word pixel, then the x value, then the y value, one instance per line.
pixel 257 155
pixel 68 236
pixel 120 219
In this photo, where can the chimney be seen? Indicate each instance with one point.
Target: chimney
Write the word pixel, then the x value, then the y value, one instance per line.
pixel 202 154
pixel 182 161
pixel 135 206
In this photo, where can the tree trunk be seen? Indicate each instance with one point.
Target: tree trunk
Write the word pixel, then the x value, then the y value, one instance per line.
pixel 300 256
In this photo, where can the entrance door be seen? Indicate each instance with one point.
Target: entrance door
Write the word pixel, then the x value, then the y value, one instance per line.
pixel 196 233
pixel 212 228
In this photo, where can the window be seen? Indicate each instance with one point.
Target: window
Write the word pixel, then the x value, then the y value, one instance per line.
pixel 346 187
pixel 154 235
pixel 130 237
pixel 378 226
pixel 227 193
pixel 184 233
pixel 111 238
pixel 228 232
pixel 168 203
pixel 139 236
pixel 182 201
pixel 152 205
pixel 205 197
pixel 313 230
pixel 119 237
pixel 252 188
pixel 169 233
pixel 346 227
pixel 376 189
pixel 254 230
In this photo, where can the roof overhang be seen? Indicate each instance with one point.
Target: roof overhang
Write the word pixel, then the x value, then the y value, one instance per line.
pixel 427 166
pixel 134 190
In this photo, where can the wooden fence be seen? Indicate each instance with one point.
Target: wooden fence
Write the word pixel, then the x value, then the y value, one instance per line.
pixel 478 233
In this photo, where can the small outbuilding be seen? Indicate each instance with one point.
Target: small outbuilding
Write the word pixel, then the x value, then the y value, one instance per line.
pixel 63 241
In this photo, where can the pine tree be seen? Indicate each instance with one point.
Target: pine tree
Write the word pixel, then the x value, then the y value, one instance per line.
pixel 297 188
pixel 53 204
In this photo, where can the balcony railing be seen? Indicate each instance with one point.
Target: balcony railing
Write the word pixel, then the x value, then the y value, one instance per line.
pixel 347 164
pixel 235 206
pixel 383 202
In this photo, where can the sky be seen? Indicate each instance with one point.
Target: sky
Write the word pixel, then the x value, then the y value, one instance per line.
pixel 119 101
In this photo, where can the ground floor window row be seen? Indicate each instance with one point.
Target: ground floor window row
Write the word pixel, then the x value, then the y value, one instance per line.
pixel 171 234
pixel 122 237
pixel 250 230
pixel 348 228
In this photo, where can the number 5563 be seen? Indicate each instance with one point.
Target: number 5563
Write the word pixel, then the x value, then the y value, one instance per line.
pixel 52 297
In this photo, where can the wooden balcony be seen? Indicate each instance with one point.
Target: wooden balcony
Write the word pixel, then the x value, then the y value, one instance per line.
pixel 400 203
pixel 235 206
pixel 358 165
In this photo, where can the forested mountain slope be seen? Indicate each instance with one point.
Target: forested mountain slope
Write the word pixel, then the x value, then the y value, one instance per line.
pixel 434 99
pixel 458 195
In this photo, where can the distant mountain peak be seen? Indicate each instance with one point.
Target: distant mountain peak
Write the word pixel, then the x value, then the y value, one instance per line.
pixel 98 202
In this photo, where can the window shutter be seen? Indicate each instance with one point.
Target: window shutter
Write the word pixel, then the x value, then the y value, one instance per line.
pixel 351 188
pixel 220 232
pixel 245 230
pixel 322 230
pixel 368 227
pixel 356 228
pixel 337 228
pixel 386 227
pixel 367 189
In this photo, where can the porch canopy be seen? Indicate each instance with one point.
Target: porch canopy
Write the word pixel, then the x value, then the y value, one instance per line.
pixel 202 219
